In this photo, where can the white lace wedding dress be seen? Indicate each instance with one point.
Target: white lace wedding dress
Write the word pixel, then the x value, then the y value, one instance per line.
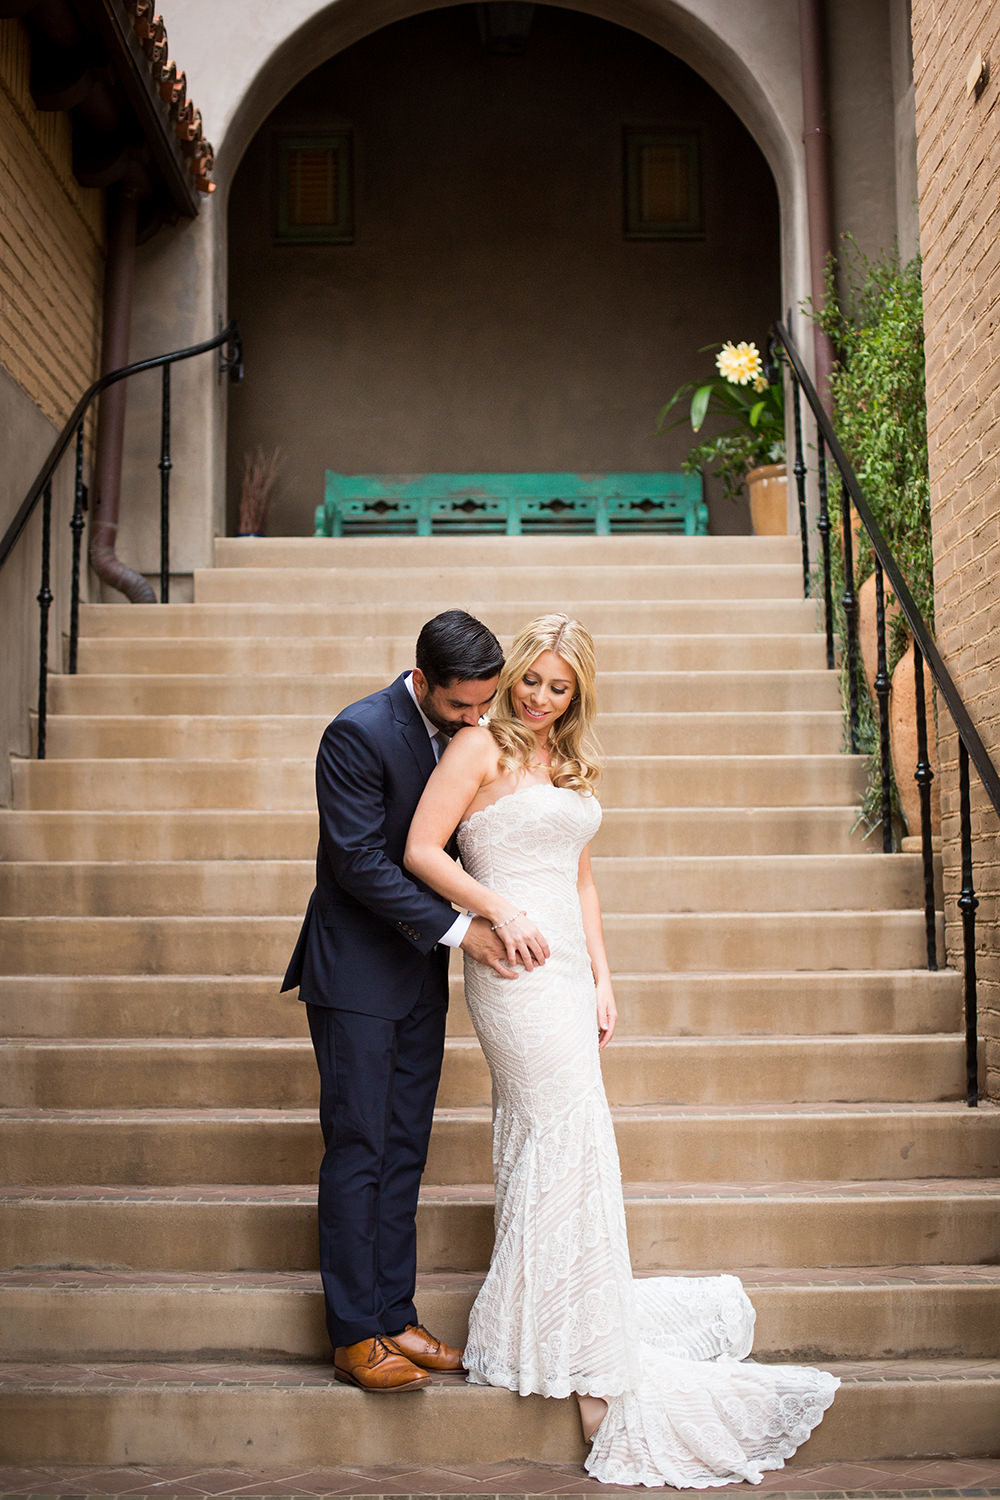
pixel 559 1311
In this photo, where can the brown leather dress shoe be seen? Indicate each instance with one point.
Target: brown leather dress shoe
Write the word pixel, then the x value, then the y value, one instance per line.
pixel 374 1366
pixel 423 1349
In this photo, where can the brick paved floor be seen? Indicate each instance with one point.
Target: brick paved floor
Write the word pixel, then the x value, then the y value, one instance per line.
pixel 939 1478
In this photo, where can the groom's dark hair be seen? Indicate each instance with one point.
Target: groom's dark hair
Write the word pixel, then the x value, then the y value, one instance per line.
pixel 456 647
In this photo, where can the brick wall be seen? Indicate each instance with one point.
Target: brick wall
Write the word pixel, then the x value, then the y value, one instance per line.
pixel 959 178
pixel 51 287
pixel 51 245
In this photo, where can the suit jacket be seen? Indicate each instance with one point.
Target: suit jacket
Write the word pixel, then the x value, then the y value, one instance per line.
pixel 369 939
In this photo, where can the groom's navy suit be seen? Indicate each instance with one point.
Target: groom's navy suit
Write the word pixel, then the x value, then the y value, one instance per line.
pixel 368 966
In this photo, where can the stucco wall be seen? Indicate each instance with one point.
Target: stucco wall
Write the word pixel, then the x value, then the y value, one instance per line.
pixel 490 313
pixel 27 438
pixel 959 174
pixel 862 122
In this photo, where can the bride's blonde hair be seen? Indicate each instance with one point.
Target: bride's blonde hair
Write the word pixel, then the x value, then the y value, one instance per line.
pixel 575 754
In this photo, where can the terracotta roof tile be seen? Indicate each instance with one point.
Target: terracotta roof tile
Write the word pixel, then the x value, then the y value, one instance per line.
pixel 171 83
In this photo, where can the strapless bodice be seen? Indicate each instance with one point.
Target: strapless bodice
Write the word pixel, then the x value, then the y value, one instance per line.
pixel 530 841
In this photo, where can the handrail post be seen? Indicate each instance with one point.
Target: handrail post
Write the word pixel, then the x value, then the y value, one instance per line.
pixel 850 603
pixel 165 466
pixel 978 754
pixel 923 777
pixel 967 903
pixel 228 342
pixel 882 694
pixel 76 525
pixel 231 364
pixel 44 597
pixel 823 527
pixel 800 484
pixel 970 744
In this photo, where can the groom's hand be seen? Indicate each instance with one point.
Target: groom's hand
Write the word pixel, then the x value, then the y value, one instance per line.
pixel 482 944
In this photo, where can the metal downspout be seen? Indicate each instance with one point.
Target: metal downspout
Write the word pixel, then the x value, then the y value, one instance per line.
pixel 816 139
pixel 119 281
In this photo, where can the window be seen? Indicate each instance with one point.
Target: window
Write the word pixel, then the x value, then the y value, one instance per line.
pixel 315 191
pixel 662 185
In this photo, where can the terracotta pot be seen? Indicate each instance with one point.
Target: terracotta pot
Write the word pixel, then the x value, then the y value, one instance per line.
pixel 903 744
pixel 768 487
pixel 867 632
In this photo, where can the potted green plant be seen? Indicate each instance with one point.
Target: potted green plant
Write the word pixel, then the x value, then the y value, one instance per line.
pixel 873 314
pixel 749 451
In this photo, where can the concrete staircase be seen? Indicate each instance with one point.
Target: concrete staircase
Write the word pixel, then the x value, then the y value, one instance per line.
pixel 786 1081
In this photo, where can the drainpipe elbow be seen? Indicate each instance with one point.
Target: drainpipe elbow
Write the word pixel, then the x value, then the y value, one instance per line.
pixel 109 566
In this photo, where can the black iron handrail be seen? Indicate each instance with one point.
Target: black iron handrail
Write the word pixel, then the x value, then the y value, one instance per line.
pixel 231 362
pixel 970 745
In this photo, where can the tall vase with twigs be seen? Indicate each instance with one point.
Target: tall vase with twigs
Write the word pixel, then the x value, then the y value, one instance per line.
pixel 260 473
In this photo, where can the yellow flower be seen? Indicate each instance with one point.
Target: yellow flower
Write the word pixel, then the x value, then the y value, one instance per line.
pixel 740 363
pixel 760 384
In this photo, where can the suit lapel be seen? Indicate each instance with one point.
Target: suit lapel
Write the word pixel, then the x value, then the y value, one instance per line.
pixel 411 726
pixel 414 731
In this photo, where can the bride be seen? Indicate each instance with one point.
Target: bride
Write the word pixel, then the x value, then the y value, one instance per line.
pixel 657 1364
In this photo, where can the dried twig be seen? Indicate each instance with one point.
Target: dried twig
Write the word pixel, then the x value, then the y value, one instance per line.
pixel 260 471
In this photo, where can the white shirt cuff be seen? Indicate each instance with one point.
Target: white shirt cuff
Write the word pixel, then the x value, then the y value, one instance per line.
pixel 456 932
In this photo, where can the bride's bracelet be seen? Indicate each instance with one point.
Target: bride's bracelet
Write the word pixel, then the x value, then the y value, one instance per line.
pixel 496 926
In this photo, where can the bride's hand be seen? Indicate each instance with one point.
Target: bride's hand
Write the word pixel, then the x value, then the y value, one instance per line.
pixel 524 943
pixel 607 1013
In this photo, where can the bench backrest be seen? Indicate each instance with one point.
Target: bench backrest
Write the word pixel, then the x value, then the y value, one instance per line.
pixel 512 504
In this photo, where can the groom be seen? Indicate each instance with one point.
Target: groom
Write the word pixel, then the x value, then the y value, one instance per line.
pixel 371 964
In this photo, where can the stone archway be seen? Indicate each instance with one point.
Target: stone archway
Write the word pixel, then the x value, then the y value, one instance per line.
pixel 491 312
pixel 241 75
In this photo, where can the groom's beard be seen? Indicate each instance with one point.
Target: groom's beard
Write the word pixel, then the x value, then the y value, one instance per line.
pixel 444 726
pixel 450 726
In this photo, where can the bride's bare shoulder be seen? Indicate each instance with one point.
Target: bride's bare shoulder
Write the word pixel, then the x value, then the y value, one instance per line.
pixel 474 744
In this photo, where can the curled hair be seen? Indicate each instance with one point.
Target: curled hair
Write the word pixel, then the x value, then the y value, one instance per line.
pixel 576 759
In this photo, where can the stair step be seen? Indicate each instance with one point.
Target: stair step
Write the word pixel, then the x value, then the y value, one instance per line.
pixel 711 1143
pixel 523 553
pixel 234 737
pixel 654 780
pixel 401 617
pixel 171 834
pixel 723 691
pixel 714 1225
pixel 803 1314
pixel 262 945
pixel 903 1002
pixel 746 883
pixel 394 654
pixel 435 585
pixel 280 1073
pixel 847 1224
pixel 277 1414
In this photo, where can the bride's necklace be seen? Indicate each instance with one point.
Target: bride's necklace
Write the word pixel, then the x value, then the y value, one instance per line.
pixel 537 764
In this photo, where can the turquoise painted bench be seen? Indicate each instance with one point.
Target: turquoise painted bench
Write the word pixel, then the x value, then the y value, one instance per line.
pixel 510 504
